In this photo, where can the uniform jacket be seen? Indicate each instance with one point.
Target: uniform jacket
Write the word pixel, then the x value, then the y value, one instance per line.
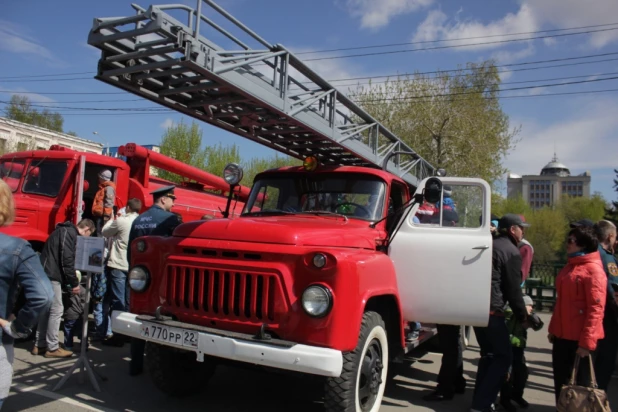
pixel 610 265
pixel 103 205
pixel 153 222
pixel 58 255
pixel 581 288
pixel 119 230
pixel 506 278
pixel 19 264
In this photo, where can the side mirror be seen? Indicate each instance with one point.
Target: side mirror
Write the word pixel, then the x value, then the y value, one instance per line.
pixel 433 190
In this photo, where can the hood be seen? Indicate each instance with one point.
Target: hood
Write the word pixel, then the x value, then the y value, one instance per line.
pixel 27 211
pixel 285 230
pixel 67 225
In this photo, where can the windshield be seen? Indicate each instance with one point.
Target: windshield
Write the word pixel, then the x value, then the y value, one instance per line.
pixel 351 194
pixel 45 177
pixel 11 172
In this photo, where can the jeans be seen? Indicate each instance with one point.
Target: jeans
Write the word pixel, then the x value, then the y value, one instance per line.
pixel 72 327
pixel 115 298
pixel 6 370
pixel 49 322
pixel 496 358
pixel 102 329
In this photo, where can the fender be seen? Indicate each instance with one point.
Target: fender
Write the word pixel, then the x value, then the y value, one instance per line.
pixel 26 233
pixel 375 277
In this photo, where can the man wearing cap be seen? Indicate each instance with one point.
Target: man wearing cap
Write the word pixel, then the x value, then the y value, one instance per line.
pixel 607 348
pixel 494 341
pixel 103 205
pixel 156 221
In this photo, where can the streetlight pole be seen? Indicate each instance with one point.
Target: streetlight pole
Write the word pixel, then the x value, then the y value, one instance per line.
pixel 106 142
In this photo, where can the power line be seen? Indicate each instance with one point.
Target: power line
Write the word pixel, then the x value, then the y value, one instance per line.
pixel 457 39
pixel 44 75
pixel 49 80
pixel 456 46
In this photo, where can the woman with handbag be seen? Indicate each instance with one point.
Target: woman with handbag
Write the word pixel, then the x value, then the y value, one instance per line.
pixel 577 322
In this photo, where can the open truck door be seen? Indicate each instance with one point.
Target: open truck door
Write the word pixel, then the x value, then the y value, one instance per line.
pixel 79 190
pixel 443 263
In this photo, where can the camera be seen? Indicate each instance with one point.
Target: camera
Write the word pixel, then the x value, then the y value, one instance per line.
pixel 535 322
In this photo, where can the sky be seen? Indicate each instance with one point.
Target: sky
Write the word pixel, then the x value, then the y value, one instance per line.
pixel 575 42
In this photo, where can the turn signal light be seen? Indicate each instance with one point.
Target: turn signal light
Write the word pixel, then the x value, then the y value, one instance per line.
pixel 310 163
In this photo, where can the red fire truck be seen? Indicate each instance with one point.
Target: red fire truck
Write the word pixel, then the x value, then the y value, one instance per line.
pixel 57 185
pixel 327 263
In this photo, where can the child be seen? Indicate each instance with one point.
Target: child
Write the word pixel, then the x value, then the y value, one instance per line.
pixel 513 387
pixel 73 315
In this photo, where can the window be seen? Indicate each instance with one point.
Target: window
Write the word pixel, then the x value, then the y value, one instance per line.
pixel 2 145
pixel 22 147
pixel 461 206
pixel 353 195
pixel 11 172
pixel 45 177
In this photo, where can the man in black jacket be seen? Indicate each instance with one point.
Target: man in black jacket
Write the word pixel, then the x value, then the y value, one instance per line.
pixel 58 260
pixel 494 339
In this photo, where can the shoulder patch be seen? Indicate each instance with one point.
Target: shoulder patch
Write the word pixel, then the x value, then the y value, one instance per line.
pixel 612 269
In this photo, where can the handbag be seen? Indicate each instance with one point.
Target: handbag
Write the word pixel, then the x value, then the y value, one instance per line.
pixel 575 398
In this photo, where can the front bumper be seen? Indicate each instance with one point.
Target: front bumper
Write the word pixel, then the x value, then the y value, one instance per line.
pixel 239 347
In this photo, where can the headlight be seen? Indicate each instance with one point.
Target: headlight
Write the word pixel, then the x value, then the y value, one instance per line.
pixel 319 260
pixel 316 301
pixel 141 246
pixel 139 279
pixel 232 174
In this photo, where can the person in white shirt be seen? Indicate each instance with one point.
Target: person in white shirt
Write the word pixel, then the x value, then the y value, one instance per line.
pixel 117 295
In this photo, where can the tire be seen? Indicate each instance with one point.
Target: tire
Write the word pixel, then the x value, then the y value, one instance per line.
pixel 360 387
pixel 177 372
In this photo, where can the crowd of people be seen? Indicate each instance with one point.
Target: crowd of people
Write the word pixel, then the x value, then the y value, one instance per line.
pixel 584 322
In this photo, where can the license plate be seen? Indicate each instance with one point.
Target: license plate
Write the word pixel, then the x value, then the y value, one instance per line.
pixel 167 334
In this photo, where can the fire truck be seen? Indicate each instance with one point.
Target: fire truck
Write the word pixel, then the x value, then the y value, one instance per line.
pixel 59 185
pixel 328 262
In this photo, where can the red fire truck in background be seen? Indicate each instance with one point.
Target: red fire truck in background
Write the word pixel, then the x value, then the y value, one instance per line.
pixel 59 185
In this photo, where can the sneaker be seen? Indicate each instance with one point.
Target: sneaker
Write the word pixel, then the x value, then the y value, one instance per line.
pixel 38 350
pixel 58 353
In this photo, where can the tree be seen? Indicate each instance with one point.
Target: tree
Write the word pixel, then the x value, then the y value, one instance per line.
pixel 182 142
pixel 72 133
pixel 501 206
pixel 454 120
pixel 612 212
pixel 20 109
pixel 547 231
pixel 576 208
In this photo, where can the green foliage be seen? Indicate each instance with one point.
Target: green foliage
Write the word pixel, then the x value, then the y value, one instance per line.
pixel 21 110
pixel 612 211
pixel 549 225
pixel 452 119
pixel 183 142
pixel 72 133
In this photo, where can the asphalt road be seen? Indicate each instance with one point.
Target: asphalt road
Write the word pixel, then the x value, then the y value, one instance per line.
pixel 236 389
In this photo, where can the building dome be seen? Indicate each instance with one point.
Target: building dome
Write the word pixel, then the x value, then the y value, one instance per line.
pixel 555 168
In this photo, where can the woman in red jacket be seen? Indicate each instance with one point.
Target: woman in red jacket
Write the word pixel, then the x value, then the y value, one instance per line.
pixel 577 322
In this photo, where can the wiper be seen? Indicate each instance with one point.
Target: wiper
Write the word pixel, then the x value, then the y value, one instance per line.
pixel 323 212
pixel 268 212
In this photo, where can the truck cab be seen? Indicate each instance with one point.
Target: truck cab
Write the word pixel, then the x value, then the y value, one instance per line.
pixel 318 275
pixel 45 189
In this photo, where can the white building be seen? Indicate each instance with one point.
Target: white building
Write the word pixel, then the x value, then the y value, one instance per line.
pixel 17 136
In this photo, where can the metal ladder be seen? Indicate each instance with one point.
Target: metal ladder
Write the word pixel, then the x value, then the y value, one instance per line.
pixel 264 93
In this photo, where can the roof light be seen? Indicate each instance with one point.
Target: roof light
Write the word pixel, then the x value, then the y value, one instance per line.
pixel 310 163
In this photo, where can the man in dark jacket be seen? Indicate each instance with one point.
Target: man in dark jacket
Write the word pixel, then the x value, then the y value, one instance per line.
pixel 156 221
pixel 58 260
pixel 494 341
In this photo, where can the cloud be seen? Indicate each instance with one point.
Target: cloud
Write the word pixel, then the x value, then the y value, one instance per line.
pixel 167 123
pixel 438 27
pixel 532 15
pixel 508 56
pixel 376 14
pixel 579 141
pixel 15 39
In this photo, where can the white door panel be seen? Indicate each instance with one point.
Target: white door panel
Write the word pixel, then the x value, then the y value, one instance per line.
pixel 444 273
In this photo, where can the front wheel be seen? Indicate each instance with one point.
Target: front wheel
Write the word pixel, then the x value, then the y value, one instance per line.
pixel 360 387
pixel 177 372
